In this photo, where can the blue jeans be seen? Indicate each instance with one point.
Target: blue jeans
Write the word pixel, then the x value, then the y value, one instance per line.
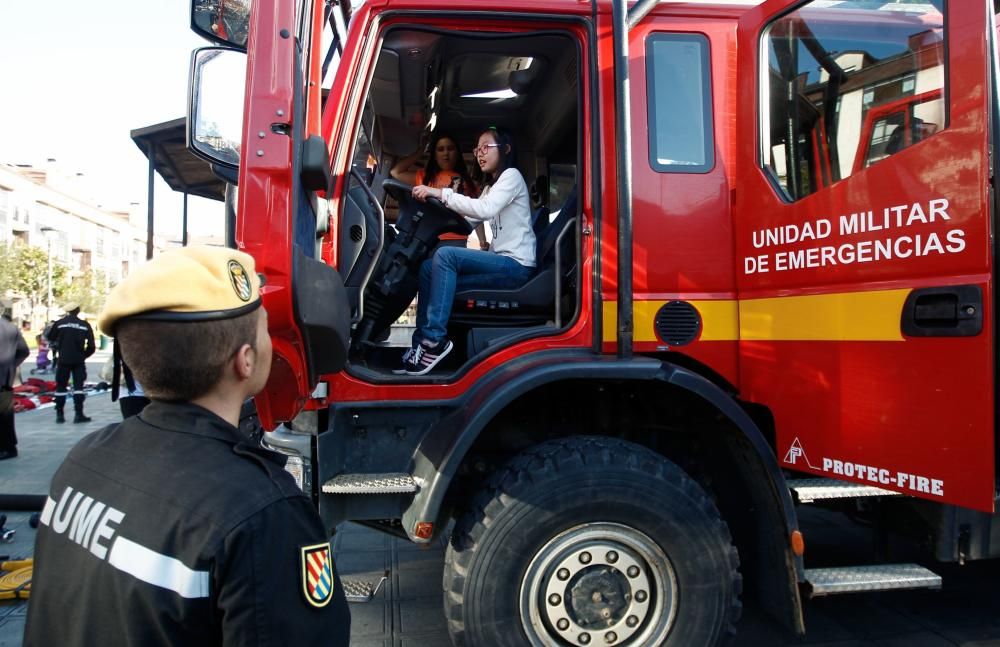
pixel 458 268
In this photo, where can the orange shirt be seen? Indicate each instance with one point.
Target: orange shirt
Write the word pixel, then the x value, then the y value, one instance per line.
pixel 454 181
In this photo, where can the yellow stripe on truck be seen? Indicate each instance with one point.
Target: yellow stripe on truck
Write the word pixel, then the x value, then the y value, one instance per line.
pixel 719 320
pixel 847 316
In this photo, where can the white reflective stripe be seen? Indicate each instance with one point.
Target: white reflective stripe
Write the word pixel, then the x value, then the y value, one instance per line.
pixel 150 566
pixel 50 506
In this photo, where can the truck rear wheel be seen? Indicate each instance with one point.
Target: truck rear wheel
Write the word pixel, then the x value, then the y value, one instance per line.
pixel 591 541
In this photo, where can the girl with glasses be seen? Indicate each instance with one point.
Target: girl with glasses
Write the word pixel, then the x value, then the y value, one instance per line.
pixel 508 264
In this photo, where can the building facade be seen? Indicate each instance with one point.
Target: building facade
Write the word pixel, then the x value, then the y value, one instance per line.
pixel 43 208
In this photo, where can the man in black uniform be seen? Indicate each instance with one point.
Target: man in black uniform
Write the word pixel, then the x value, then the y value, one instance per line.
pixel 75 339
pixel 173 527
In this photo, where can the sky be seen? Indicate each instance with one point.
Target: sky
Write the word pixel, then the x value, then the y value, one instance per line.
pixel 76 77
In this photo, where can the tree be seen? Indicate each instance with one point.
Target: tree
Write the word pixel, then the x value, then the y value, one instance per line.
pixel 24 270
pixel 90 290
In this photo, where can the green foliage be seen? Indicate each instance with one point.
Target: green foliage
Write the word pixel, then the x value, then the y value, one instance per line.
pixel 24 270
pixel 89 290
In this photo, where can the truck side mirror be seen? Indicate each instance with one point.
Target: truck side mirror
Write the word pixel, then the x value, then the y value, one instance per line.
pixel 226 22
pixel 215 104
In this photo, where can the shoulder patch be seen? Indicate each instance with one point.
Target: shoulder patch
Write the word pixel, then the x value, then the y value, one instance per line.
pixel 317 574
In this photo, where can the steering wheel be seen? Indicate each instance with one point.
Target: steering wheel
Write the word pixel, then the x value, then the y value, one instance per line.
pixel 403 194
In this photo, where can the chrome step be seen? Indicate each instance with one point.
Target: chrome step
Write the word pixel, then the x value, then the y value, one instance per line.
pixel 393 483
pixel 360 591
pixel 809 490
pixel 880 577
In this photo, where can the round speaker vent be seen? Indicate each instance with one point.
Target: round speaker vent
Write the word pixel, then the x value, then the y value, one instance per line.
pixel 677 323
pixel 357 233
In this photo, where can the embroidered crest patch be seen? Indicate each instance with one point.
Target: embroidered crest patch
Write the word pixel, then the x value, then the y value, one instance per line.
pixel 240 280
pixel 317 574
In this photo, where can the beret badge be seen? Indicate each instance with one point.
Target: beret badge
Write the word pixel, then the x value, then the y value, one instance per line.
pixel 241 280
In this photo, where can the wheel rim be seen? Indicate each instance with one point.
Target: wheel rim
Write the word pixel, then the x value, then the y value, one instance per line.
pixel 598 584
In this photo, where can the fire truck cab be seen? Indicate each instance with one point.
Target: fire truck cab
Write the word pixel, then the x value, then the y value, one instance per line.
pixel 765 272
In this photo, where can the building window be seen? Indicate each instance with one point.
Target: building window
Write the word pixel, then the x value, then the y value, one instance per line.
pixel 846 86
pixel 679 97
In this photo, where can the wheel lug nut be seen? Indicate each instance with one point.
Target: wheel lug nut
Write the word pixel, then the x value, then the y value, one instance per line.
pixel 610 637
pixel 563 574
pixel 584 639
pixel 563 624
pixel 612 557
pixel 632 621
pixel 633 571
pixel 585 558
pixel 640 596
pixel 555 599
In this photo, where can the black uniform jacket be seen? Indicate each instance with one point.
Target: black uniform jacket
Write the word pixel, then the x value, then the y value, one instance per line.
pixel 75 339
pixel 172 529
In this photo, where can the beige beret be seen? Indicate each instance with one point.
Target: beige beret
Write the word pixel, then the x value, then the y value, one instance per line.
pixel 189 284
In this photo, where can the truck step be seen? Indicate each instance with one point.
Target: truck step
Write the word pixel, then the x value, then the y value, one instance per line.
pixel 360 590
pixel 809 490
pixel 392 483
pixel 880 577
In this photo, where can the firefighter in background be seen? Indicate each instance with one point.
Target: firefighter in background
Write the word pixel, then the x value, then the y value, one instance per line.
pixel 75 339
pixel 173 527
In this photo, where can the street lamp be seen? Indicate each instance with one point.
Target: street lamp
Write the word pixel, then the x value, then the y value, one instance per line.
pixel 48 244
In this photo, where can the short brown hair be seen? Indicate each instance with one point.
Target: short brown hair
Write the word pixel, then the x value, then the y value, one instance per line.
pixel 179 361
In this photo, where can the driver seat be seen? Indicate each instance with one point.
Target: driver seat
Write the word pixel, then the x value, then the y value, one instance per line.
pixel 534 302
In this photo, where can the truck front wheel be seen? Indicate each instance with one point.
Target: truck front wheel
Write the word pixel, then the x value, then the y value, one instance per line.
pixel 591 541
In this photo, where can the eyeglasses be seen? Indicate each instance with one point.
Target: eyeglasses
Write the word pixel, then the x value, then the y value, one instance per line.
pixel 483 149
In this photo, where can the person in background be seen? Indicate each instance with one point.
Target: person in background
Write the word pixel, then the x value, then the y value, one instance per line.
pixel 173 527
pixel 42 361
pixel 75 339
pixel 53 347
pixel 509 263
pixel 13 351
pixel 445 169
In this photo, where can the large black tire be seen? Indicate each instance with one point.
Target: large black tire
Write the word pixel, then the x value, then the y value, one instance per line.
pixel 573 535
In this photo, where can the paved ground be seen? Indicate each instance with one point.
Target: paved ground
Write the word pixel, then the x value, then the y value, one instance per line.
pixel 407 612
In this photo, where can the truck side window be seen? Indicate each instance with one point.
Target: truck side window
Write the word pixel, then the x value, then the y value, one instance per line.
pixel 679 103
pixel 562 181
pixel 848 85
pixel 365 158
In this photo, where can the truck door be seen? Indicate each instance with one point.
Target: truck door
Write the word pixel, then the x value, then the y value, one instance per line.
pixel 866 283
pixel 281 216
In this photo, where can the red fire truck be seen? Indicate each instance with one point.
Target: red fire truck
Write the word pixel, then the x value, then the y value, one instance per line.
pixel 765 279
